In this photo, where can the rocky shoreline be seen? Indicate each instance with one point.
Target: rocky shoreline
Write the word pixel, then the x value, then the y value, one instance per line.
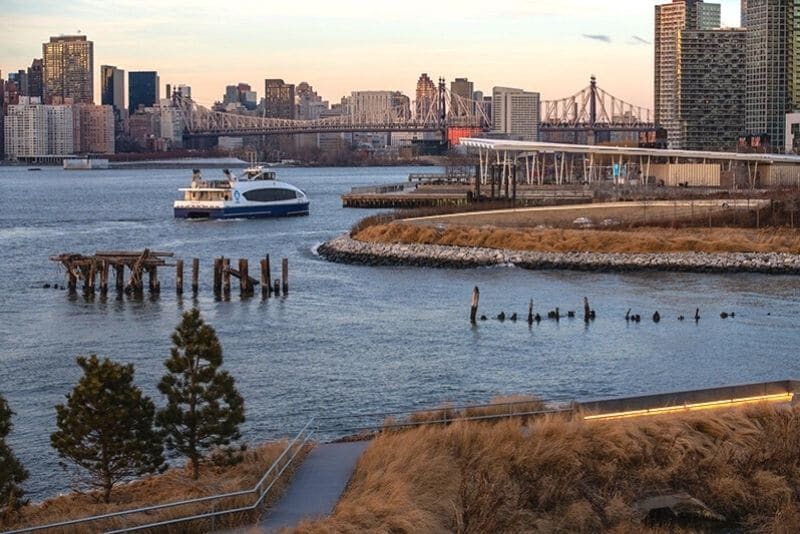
pixel 344 249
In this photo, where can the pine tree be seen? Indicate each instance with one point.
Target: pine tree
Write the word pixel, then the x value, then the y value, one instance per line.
pixel 204 409
pixel 106 426
pixel 12 474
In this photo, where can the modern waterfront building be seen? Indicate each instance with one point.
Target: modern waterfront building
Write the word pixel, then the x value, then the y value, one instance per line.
pixel 773 67
pixel 516 113
pixel 143 90
pixel 68 65
pixel 112 87
pixel 711 89
pixel 33 129
pixel 279 99
pixel 93 129
pixel 670 20
pixel 426 98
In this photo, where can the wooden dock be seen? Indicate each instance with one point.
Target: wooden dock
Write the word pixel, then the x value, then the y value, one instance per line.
pixel 132 267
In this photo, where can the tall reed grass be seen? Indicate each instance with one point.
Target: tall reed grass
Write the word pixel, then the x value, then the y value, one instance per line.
pixel 561 474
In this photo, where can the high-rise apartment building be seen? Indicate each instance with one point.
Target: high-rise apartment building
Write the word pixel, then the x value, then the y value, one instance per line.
pixel 711 89
pixel 377 106
pixel 112 87
pixel 773 66
pixel 68 69
pixel 461 90
pixel 143 90
pixel 516 113
pixel 93 129
pixel 670 20
pixel 33 129
pixel 279 101
pixel 743 20
pixel 427 98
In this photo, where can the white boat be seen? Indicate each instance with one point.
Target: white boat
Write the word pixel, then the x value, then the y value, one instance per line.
pixel 256 193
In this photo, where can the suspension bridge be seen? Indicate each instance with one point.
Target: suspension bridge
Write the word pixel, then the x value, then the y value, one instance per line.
pixel 588 110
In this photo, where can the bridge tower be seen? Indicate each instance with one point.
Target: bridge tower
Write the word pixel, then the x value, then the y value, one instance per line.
pixel 593 101
pixel 443 108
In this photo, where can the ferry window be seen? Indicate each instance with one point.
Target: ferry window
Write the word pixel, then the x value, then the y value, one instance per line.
pixel 270 195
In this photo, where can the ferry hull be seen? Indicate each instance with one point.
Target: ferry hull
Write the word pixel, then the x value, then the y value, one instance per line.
pixel 242 212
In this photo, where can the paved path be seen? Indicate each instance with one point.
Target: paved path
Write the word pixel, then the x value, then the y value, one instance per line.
pixel 316 486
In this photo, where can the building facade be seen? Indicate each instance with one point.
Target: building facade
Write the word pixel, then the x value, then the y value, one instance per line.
pixel 33 129
pixel 711 88
pixel 461 90
pixel 143 90
pixel 68 66
pixel 279 99
pixel 36 79
pixel 112 87
pixel 93 129
pixel 670 20
pixel 426 105
pixel 516 113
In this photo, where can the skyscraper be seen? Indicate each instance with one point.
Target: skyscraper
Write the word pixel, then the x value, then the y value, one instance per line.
pixel 461 90
pixel 426 98
pixel 773 66
pixel 279 99
pixel 112 87
pixel 711 89
pixel 68 69
pixel 515 112
pixel 143 90
pixel 670 20
pixel 36 79
pixel 743 22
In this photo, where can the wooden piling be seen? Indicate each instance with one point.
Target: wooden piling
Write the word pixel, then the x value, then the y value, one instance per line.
pixel 587 311
pixel 530 312
pixel 155 285
pixel 269 276
pixel 120 275
pixel 104 277
pixel 195 275
pixel 473 312
pixel 88 285
pixel 218 275
pixel 285 275
pixel 265 277
pixel 244 277
pixel 276 288
pixel 179 277
pixel 226 276
pixel 72 280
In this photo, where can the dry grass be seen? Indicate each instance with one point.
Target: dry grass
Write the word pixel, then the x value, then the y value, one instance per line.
pixel 561 474
pixel 174 485
pixel 642 240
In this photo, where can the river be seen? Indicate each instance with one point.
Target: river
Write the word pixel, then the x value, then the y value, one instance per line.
pixel 347 339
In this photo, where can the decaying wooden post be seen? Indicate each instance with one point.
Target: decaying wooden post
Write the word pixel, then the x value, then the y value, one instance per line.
pixel 218 275
pixel 473 311
pixel 269 276
pixel 530 312
pixel 155 285
pixel 226 276
pixel 120 274
pixel 72 280
pixel 195 275
pixel 179 277
pixel 285 275
pixel 587 311
pixel 104 277
pixel 265 277
pixel 276 288
pixel 244 277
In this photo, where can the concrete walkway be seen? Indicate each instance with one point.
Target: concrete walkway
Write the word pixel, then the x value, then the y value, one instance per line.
pixel 317 485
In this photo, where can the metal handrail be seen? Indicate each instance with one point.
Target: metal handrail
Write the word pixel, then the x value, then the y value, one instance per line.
pixel 257 489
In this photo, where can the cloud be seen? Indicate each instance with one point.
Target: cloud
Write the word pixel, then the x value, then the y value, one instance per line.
pixel 639 40
pixel 597 37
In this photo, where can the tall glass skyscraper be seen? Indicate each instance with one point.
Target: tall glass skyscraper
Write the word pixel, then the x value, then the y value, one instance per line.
pixel 142 90
pixel 112 87
pixel 68 69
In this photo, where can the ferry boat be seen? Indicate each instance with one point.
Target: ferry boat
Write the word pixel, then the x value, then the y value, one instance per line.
pixel 256 193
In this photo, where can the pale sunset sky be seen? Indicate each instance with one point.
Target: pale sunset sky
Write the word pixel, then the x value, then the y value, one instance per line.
pixel 549 46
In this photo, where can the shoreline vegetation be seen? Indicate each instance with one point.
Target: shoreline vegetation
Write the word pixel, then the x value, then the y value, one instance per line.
pixel 736 470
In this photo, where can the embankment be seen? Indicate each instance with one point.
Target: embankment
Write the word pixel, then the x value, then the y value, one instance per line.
pixel 347 250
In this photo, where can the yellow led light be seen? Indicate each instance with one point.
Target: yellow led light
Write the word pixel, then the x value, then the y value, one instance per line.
pixel 779 397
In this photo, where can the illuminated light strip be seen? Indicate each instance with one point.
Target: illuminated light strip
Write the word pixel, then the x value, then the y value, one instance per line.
pixel 780 397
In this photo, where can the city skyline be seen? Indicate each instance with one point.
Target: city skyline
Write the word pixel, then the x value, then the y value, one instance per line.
pixel 553 48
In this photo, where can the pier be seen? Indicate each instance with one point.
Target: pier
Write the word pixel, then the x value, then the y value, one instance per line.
pixel 132 267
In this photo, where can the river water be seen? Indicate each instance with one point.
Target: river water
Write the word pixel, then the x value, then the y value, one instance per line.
pixel 348 339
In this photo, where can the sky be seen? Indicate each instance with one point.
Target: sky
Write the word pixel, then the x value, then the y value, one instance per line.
pixel 548 46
